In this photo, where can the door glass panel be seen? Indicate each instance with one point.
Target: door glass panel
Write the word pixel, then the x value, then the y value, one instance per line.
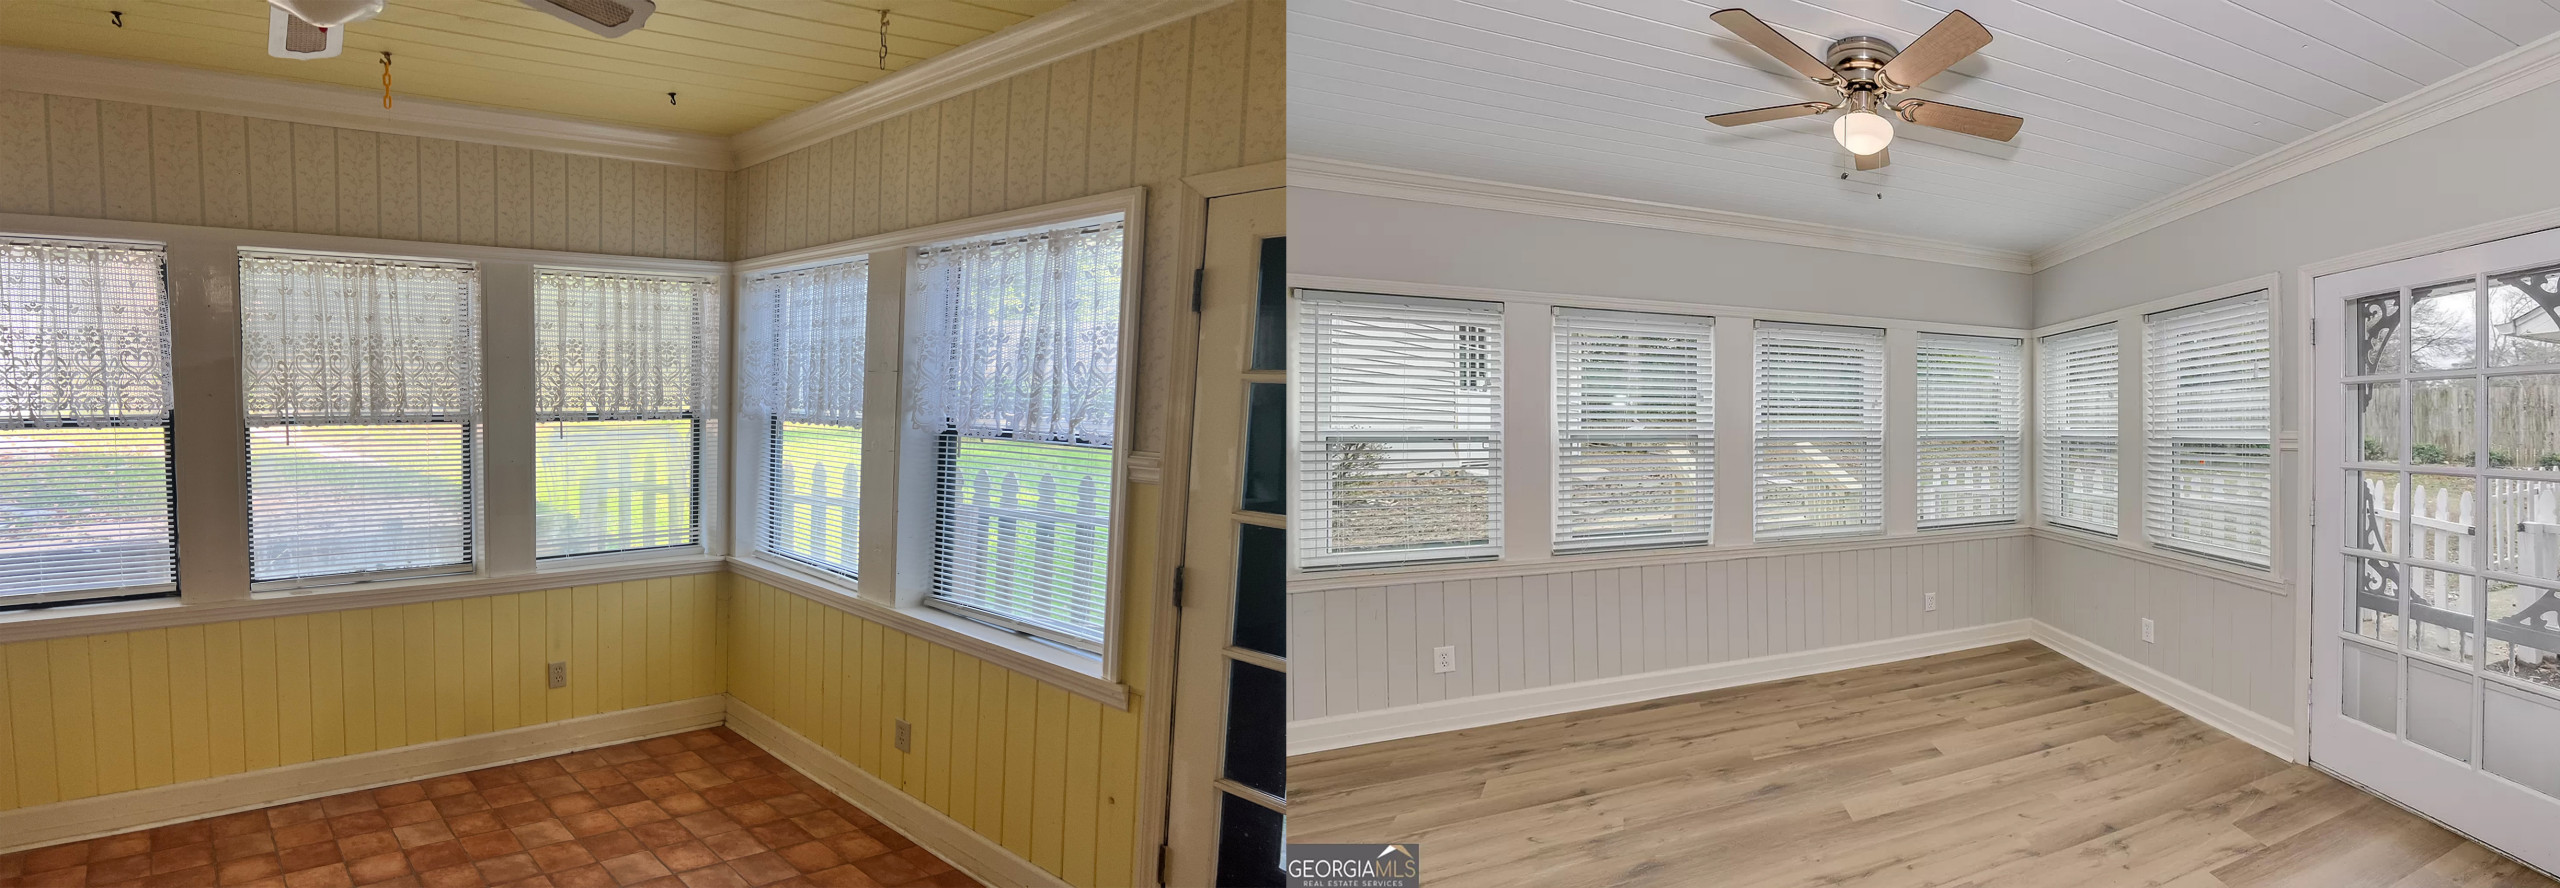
pixel 2520 737
pixel 1262 589
pixel 2524 422
pixel 2524 634
pixel 2377 611
pixel 2374 432
pixel 1271 305
pixel 1257 727
pixel 2370 690
pixel 2524 318
pixel 1266 449
pixel 2444 327
pixel 2439 512
pixel 2440 605
pixel 2439 709
pixel 2524 528
pixel 1249 837
pixel 2441 413
pixel 2373 504
pixel 2377 334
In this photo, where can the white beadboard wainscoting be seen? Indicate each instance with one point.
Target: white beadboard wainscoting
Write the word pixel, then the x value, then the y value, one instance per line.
pixel 1542 639
pixel 2223 646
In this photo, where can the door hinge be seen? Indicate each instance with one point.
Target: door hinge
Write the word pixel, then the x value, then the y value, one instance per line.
pixel 1163 876
pixel 2315 335
pixel 1198 277
pixel 1177 587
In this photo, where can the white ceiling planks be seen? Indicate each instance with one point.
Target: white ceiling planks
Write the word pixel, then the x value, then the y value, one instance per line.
pixel 2126 100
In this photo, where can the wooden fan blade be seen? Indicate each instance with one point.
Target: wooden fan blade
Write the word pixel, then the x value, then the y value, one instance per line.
pixel 1874 161
pixel 1960 119
pixel 1946 43
pixel 1773 112
pixel 1758 33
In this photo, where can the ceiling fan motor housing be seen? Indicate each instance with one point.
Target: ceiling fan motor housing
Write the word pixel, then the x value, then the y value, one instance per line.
pixel 1860 62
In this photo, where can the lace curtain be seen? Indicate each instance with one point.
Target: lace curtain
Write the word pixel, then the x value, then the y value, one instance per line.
pixel 84 339
pixel 327 339
pixel 1021 335
pixel 617 347
pixel 806 336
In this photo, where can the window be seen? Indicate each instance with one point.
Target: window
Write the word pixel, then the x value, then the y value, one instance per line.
pixel 1399 430
pixel 360 383
pixel 1818 449
pixel 1018 371
pixel 84 422
pixel 1972 446
pixel 804 384
pixel 624 372
pixel 1635 429
pixel 2076 428
pixel 2208 453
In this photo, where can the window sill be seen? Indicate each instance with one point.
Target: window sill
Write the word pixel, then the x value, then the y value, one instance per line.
pixel 2237 574
pixel 127 616
pixel 1074 671
pixel 1356 578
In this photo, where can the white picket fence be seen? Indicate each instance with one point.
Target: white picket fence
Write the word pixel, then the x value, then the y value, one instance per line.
pixel 2521 535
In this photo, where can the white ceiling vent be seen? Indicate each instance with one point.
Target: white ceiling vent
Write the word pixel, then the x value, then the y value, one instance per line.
pixel 609 18
pixel 289 37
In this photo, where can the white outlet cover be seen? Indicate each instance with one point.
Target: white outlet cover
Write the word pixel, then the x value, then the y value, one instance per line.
pixel 1929 601
pixel 1444 658
pixel 2147 635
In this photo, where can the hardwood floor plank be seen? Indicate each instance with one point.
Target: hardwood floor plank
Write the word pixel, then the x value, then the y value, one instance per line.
pixel 2008 766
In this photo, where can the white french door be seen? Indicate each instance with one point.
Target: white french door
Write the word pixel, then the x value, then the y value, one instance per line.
pixel 2436 571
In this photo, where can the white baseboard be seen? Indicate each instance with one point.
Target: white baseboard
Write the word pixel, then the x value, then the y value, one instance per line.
pixel 106 815
pixel 982 858
pixel 2257 730
pixel 1354 729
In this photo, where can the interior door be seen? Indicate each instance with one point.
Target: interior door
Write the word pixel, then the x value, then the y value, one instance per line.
pixel 2436 573
pixel 1230 715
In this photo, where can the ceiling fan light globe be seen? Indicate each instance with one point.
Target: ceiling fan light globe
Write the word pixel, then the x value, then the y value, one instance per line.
pixel 330 13
pixel 1862 132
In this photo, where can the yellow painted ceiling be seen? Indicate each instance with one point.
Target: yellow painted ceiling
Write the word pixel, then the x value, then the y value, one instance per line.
pixel 732 63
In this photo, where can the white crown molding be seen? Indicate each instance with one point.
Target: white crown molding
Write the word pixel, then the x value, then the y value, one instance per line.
pixel 1401 184
pixel 1026 46
pixel 2521 70
pixel 177 86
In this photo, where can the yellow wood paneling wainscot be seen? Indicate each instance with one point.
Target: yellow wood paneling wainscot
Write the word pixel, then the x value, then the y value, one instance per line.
pixel 96 714
pixel 66 156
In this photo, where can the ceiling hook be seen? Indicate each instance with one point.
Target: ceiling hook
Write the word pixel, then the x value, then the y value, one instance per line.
pixel 116 15
pixel 671 98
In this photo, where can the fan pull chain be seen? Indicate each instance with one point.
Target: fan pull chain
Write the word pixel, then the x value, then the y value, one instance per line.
pixel 884 40
pixel 386 80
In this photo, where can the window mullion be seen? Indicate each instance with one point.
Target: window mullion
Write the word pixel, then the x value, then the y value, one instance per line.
pixel 505 449
pixel 1901 432
pixel 211 458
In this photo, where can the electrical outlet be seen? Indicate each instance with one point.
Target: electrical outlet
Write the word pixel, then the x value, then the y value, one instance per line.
pixel 1928 601
pixel 2147 637
pixel 1444 658
pixel 906 736
pixel 559 673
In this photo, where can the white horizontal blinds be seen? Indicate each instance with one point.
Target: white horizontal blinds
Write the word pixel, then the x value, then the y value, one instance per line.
pixel 360 384
pixel 1399 430
pixel 1972 439
pixel 2076 434
pixel 803 381
pixel 624 370
pixel 1635 429
pixel 2208 455
pixel 1818 446
pixel 1020 374
pixel 84 415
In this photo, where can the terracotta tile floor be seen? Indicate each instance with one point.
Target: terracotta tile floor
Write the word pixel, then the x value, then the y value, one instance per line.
pixel 704 809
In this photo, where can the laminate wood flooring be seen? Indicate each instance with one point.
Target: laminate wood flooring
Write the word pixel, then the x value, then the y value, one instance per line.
pixel 1997 767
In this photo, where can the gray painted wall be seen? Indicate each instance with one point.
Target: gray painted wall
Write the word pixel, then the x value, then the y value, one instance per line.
pixel 1332 233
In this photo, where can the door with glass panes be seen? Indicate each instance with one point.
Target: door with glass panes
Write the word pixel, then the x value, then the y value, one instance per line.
pixel 2436 566
pixel 1230 711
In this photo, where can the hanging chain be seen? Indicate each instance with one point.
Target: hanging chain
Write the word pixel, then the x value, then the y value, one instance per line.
pixel 884 40
pixel 386 80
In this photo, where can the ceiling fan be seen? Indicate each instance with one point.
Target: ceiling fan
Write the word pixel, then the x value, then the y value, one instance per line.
pixel 316 29
pixel 1867 72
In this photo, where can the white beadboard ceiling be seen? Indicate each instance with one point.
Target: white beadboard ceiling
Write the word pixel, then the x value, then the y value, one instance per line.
pixel 2125 100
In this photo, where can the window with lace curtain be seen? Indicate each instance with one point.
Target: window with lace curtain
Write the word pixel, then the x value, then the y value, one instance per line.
pixel 803 383
pixel 360 384
pixel 84 422
pixel 1015 367
pixel 624 373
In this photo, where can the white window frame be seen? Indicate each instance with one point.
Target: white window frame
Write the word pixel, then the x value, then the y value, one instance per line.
pixel 2159 451
pixel 1608 323
pixel 1879 416
pixel 2009 380
pixel 1314 524
pixel 211 459
pixel 898 470
pixel 707 426
pixel 2045 478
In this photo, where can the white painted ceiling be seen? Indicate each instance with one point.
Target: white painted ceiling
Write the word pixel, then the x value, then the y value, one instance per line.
pixel 2125 100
